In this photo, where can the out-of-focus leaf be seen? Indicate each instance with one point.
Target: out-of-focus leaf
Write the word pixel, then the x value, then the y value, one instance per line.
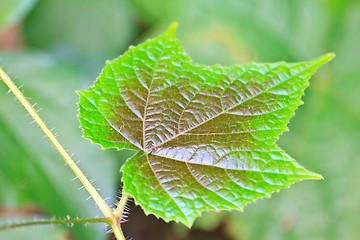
pixel 239 31
pixel 85 33
pixel 155 10
pixel 30 170
pixel 205 135
pixel 14 10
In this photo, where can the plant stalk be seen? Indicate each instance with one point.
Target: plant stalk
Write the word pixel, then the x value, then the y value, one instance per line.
pixel 119 211
pixel 119 235
pixel 118 216
pixel 105 209
pixel 55 221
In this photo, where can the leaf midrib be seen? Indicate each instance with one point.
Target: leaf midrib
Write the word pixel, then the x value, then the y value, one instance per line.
pixel 148 96
pixel 229 109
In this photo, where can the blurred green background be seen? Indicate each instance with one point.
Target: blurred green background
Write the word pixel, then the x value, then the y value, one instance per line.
pixel 54 47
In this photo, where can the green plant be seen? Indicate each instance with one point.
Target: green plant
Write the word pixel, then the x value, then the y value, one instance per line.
pixel 205 136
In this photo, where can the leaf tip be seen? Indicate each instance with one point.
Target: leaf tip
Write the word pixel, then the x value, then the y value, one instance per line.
pixel 172 29
pixel 315 176
pixel 318 176
pixel 329 56
pixel 325 58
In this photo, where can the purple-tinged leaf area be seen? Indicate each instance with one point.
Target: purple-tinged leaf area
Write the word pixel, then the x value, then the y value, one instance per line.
pixel 205 135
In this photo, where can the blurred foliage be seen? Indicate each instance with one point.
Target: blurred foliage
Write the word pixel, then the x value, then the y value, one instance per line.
pixel 73 38
pixel 47 233
pixel 14 10
pixel 85 33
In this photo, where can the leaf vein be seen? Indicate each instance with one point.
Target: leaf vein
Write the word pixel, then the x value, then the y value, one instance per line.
pixel 213 117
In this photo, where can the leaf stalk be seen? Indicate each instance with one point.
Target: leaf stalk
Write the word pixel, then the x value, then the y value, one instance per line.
pixel 118 216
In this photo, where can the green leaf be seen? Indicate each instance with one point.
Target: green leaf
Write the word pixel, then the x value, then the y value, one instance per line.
pixel 205 135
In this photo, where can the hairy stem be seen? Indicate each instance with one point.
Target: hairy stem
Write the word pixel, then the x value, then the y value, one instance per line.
pixel 115 226
pixel 55 221
pixel 119 211
pixel 118 216
pixel 105 209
